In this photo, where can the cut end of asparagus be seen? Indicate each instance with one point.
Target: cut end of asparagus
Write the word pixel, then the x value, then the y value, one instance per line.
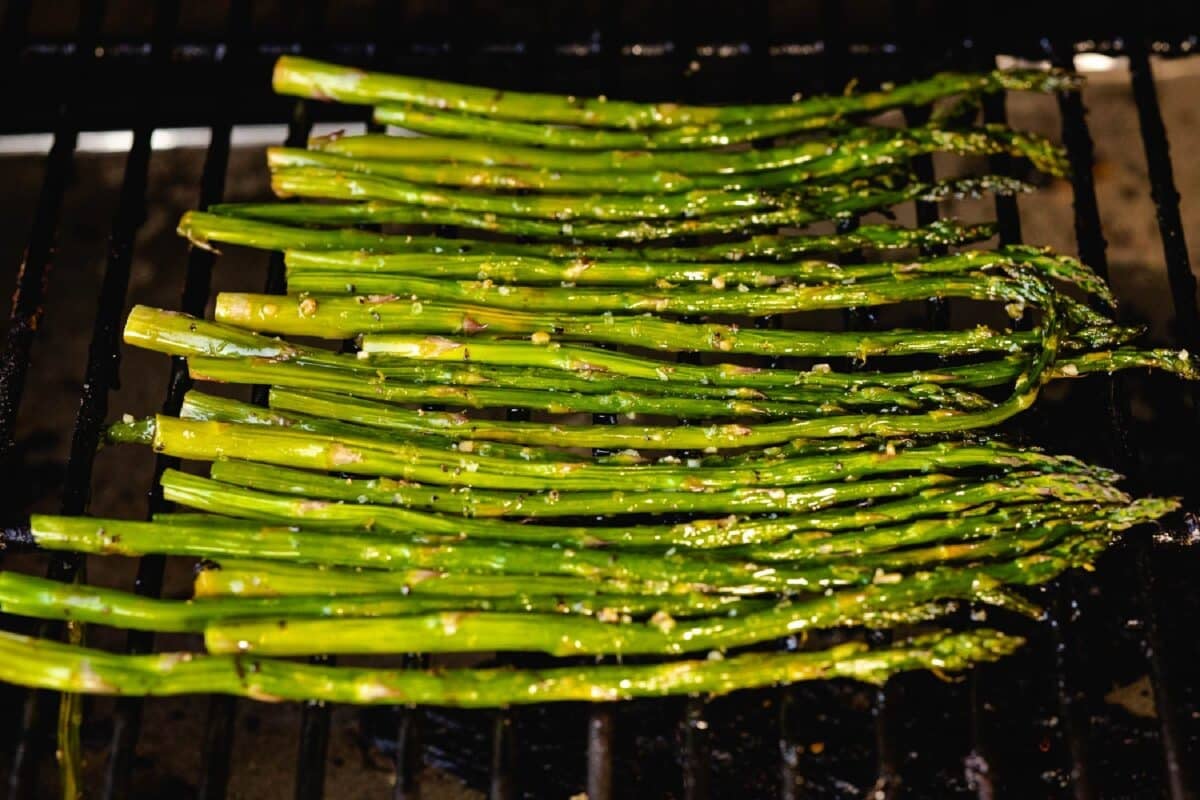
pixel 194 233
pixel 130 431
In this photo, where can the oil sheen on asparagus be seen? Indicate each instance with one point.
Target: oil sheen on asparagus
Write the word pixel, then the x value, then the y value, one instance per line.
pixel 702 456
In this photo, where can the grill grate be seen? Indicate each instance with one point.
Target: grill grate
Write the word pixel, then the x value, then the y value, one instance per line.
pixel 600 61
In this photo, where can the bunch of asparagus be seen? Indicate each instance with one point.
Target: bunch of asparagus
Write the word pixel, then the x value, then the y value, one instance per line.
pixel 780 485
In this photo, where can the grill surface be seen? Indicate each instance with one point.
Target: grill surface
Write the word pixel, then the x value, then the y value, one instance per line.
pixel 1034 725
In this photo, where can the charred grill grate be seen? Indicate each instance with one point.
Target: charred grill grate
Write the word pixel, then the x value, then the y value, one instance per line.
pixel 82 82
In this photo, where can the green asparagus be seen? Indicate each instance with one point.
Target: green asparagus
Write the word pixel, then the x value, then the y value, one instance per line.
pixel 51 665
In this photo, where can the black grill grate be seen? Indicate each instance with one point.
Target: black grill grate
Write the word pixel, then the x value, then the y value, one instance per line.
pixel 82 86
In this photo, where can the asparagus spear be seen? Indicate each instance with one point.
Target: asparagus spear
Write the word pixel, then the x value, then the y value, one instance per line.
pixel 319 80
pixel 423 528
pixel 203 228
pixel 478 152
pixel 401 421
pixel 586 272
pixel 179 334
pixel 674 302
pixel 700 301
pixel 241 307
pixel 383 149
pixel 381 349
pixel 366 456
pixel 631 573
pixel 457 632
pixel 474 502
pixel 200 406
pixel 690 138
pixel 501 179
pixel 356 185
pixel 334 317
pixel 232 370
pixel 27 596
pixel 1021 529
pixel 558 368
pixel 389 203
pixel 260 578
pixel 50 665
pixel 791 168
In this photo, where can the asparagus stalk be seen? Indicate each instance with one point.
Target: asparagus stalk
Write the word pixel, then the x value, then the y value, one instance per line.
pixel 676 301
pixel 691 138
pixel 472 502
pixel 808 545
pixel 545 379
pixel 388 203
pixel 302 265
pixel 260 578
pixel 203 228
pixel 512 178
pixel 1025 390
pixel 380 149
pixel 636 573
pixel 179 334
pixel 250 371
pixel 381 349
pixel 319 80
pixel 557 368
pixel 401 423
pixel 207 495
pixel 642 574
pixel 27 596
pixel 633 572
pixel 853 154
pixel 200 406
pixel 334 317
pixel 478 152
pixel 349 184
pixel 486 631
pixel 365 456
pixel 45 664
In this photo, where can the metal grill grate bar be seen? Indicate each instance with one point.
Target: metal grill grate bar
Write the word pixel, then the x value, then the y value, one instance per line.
pixel 1180 780
pixel 104 350
pixel 218 725
pixel 1089 235
pixel 314 717
pixel 1008 220
pixel 504 750
pixel 31 280
pixel 217 748
pixel 314 742
pixel 14 363
pixel 697 751
pixel 599 754
pixel 127 715
pixel 1164 194
pixel 407 759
